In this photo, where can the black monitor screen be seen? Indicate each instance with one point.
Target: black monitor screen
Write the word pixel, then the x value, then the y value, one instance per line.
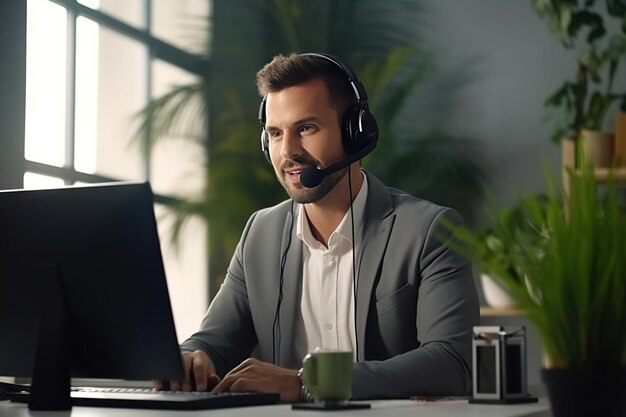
pixel 83 265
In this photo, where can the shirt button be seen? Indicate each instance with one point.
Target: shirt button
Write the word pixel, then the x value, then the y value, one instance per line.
pixel 328 326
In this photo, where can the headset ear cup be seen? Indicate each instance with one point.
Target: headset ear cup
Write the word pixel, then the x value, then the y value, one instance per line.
pixel 350 126
pixel 265 146
pixel 265 140
pixel 359 129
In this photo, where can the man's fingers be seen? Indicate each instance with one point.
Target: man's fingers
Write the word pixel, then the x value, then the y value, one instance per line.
pixel 187 364
pixel 200 370
pixel 184 384
pixel 235 374
pixel 244 365
pixel 198 374
pixel 224 384
pixel 213 381
pixel 254 375
pixel 174 385
pixel 245 385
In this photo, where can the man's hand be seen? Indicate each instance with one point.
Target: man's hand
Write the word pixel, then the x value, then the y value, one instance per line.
pixel 199 374
pixel 254 375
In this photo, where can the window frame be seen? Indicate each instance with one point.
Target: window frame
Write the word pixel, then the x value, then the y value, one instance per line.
pixel 157 49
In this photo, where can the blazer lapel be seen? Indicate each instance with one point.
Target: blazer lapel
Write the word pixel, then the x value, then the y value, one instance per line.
pixel 292 288
pixel 378 224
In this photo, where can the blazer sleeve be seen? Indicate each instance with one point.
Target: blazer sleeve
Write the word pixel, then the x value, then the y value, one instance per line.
pixel 447 308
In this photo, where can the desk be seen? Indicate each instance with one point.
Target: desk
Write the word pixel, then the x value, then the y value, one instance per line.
pixel 387 408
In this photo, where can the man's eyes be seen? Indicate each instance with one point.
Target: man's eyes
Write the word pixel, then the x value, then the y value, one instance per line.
pixel 307 129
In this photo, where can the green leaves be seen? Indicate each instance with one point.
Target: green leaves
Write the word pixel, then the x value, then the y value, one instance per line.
pixel 587 98
pixel 574 286
pixel 586 18
pixel 559 17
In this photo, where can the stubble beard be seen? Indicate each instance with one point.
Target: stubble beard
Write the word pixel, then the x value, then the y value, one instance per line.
pixel 303 195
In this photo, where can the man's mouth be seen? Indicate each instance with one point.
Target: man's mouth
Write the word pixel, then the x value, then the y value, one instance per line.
pixel 294 173
pixel 293 169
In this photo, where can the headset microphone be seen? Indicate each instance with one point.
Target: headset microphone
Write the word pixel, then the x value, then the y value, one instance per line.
pixel 312 177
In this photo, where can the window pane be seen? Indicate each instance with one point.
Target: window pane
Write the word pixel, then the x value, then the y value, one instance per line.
pixel 110 90
pixel 177 162
pixel 46 30
pixel 128 11
pixel 86 120
pixel 186 271
pixel 182 23
pixel 32 180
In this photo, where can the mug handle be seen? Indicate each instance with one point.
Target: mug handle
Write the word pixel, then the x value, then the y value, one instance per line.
pixel 309 373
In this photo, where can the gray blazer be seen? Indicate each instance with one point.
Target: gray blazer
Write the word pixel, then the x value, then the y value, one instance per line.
pixel 416 299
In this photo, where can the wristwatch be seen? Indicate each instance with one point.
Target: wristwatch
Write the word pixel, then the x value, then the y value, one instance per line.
pixel 305 395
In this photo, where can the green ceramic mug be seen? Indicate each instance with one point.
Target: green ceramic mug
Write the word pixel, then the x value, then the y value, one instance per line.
pixel 327 374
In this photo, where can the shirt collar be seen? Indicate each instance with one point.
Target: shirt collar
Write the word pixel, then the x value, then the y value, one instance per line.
pixel 303 230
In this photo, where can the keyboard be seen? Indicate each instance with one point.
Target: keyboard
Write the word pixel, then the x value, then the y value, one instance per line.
pixel 161 400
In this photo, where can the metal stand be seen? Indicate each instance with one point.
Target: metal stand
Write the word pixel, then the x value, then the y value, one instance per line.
pixel 499 365
pixel 50 387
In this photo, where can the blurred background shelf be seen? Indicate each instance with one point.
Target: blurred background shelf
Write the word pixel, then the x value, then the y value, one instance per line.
pixel 500 311
pixel 602 174
pixel 568 161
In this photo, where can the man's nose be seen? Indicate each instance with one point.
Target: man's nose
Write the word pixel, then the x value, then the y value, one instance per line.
pixel 291 145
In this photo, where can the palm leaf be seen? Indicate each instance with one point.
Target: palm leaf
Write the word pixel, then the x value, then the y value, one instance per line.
pixel 179 113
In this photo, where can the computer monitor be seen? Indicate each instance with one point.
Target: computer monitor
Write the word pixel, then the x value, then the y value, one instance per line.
pixel 83 289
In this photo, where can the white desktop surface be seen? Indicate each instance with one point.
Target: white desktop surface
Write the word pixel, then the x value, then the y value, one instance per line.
pixel 387 408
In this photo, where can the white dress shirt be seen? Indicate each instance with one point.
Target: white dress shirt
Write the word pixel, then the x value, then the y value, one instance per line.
pixel 327 306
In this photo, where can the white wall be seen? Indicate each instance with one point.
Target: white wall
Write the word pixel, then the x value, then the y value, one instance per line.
pixel 510 63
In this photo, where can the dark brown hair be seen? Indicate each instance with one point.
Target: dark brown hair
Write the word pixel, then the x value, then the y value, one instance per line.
pixel 287 71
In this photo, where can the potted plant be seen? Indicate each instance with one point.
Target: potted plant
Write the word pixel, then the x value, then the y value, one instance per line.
pixel 574 291
pixel 583 103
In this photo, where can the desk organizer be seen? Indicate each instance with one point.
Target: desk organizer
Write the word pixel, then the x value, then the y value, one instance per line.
pixel 499 365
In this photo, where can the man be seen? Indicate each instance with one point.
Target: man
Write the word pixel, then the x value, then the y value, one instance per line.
pixel 302 276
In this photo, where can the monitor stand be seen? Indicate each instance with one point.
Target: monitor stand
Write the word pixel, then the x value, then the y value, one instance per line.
pixel 50 386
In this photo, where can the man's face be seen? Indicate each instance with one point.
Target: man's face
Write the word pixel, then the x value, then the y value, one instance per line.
pixel 303 128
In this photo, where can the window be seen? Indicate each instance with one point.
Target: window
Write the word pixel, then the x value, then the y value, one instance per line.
pixel 91 66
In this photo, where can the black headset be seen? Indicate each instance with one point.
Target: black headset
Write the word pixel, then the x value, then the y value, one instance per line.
pixel 359 129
